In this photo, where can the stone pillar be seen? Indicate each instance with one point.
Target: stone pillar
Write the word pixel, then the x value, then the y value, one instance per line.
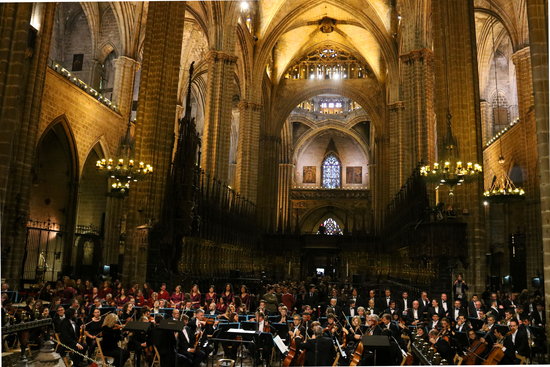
pixel 22 77
pixel 399 139
pixel 246 179
pixel 217 119
pixel 537 14
pixel 486 125
pixel 286 171
pixel 154 128
pixel 530 218
pixel 456 72
pixel 123 88
pixel 268 180
pixel 111 241
pixel 419 119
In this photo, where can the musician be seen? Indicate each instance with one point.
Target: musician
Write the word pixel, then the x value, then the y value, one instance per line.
pixel 195 295
pixel 495 310
pixel 111 336
pixel 211 296
pixel 424 302
pixel 371 308
pixel 436 309
pixel 69 335
pixel 538 316
pixel 441 345
pixel 189 345
pixel 373 327
pixel 245 297
pixel 461 325
pixel 176 315
pixel 472 340
pixel 456 311
pixel 58 318
pixel 198 321
pixel 514 342
pixel 283 318
pixel 263 324
pixel 477 311
pixel 434 324
pixel 296 329
pixel 414 314
pixel 212 309
pixel 508 316
pixel 355 333
pixel 392 309
pixel 177 297
pixel 389 328
pixel 227 294
pixel 445 305
pixel 91 331
pixel 129 313
pixel 404 303
pixel 331 328
pixel 319 349
pixel 333 303
pixel 163 293
pixel 510 301
pixel 421 332
pixel 384 302
pixel 351 310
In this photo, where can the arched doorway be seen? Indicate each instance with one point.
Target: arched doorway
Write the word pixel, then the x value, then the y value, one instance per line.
pixel 52 206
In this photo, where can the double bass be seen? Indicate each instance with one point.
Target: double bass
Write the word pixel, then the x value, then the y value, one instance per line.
pixel 496 354
pixel 475 351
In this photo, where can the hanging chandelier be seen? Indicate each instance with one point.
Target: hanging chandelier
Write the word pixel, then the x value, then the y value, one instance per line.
pixel 450 171
pixel 123 169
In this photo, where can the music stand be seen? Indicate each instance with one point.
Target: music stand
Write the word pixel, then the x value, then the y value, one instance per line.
pixel 249 325
pixel 376 342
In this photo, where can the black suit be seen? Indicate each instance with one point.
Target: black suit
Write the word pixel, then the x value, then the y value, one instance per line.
pixel 444 349
pixel 384 303
pixel 449 307
pixel 69 333
pixel 440 311
pixel 536 319
pixel 347 311
pixel 319 351
pixel 410 318
pixel 452 313
pixel 184 344
pixel 392 312
pixel 401 304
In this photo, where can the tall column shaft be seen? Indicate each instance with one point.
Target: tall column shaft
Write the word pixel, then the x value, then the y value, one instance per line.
pixel 419 118
pixel 154 128
pixel 537 14
pixel 217 119
pixel 123 88
pixel 246 179
pixel 456 85
pixel 286 171
pixel 399 141
pixel 22 77
pixel 268 180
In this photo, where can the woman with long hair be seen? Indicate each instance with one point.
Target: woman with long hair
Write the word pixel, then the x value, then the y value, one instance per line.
pixel 112 334
pixel 195 295
pixel 177 297
pixel 227 294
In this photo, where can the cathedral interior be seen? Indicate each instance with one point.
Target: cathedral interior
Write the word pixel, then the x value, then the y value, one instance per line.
pixel 389 142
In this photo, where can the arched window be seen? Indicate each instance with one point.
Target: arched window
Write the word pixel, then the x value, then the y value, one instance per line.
pixel 331 172
pixel 331 227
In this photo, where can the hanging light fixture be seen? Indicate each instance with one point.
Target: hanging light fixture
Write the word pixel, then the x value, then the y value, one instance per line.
pixel 450 170
pixel 123 169
pixel 503 189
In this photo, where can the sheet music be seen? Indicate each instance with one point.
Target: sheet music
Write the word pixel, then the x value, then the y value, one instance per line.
pixel 241 331
pixel 279 343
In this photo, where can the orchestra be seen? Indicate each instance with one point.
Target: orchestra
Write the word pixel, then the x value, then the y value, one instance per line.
pixel 339 322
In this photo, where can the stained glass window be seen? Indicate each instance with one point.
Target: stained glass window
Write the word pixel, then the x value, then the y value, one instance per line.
pixel 331 172
pixel 331 227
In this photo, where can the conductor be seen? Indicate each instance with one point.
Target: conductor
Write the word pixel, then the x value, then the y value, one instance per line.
pixel 319 349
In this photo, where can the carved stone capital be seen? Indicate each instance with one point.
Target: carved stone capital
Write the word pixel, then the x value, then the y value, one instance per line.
pixel 245 105
pixel 220 56
pixel 423 54
pixel 524 53
pixel 396 106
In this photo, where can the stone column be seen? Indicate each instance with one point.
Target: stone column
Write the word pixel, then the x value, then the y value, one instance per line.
pixel 537 14
pixel 530 218
pixel 268 180
pixel 111 241
pixel 399 140
pixel 217 119
pixel 22 77
pixel 246 179
pixel 123 88
pixel 286 171
pixel 487 129
pixel 154 128
pixel 419 119
pixel 456 72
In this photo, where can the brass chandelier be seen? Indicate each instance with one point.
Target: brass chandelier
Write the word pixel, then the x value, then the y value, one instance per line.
pixel 123 169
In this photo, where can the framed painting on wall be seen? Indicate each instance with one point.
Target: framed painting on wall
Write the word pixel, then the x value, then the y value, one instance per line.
pixel 310 174
pixel 354 175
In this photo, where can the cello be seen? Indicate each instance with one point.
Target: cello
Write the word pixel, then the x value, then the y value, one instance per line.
pixel 291 354
pixel 496 354
pixel 476 349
